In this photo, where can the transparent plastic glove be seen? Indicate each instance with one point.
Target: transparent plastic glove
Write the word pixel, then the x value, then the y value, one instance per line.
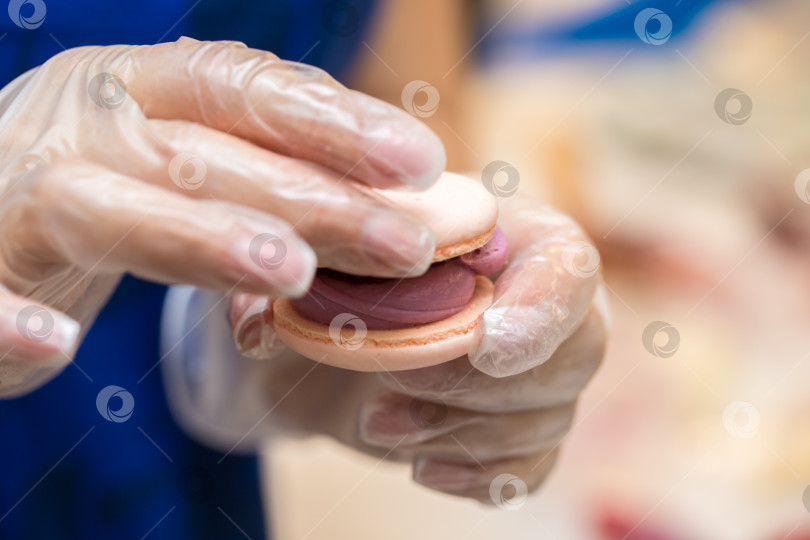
pixel 460 426
pixel 203 163
pixel 464 428
pixel 543 294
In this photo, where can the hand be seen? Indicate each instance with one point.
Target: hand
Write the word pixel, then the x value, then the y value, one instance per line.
pixel 178 162
pixel 537 347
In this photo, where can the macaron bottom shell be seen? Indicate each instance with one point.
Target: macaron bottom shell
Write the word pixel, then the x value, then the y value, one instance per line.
pixel 346 343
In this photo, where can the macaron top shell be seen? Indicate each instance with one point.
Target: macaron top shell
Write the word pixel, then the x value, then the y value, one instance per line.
pixel 461 213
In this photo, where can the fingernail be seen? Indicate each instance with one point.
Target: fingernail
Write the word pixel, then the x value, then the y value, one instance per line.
pixel 384 422
pixel 399 242
pixel 283 262
pixel 417 159
pixel 247 330
pixel 47 338
pixel 499 357
pixel 443 475
pixel 251 337
pixel 389 420
pixel 263 343
pixel 400 419
pixel 68 335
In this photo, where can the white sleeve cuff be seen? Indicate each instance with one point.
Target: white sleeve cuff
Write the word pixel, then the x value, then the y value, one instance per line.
pixel 214 393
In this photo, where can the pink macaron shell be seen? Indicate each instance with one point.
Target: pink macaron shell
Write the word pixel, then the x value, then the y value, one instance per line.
pixel 456 208
pixel 386 350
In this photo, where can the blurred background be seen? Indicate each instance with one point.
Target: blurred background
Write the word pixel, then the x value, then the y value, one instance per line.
pixel 679 138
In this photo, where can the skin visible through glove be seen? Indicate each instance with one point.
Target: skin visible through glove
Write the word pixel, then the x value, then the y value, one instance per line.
pixel 385 304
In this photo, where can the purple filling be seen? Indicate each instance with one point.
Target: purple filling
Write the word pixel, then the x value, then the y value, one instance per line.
pixel 490 257
pixel 444 290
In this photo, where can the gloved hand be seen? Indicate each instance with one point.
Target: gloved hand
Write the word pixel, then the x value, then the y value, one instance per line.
pixel 189 162
pixel 462 427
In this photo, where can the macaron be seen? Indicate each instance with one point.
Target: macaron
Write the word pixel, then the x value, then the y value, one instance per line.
pixel 374 324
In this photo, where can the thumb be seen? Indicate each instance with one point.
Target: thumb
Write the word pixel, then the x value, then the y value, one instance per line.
pixel 543 295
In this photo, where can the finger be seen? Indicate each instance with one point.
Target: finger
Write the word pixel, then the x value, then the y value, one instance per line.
pixel 350 228
pixel 558 381
pixel 291 108
pixel 251 320
pixel 395 420
pixel 504 483
pixel 104 222
pixel 541 297
pixel 35 341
